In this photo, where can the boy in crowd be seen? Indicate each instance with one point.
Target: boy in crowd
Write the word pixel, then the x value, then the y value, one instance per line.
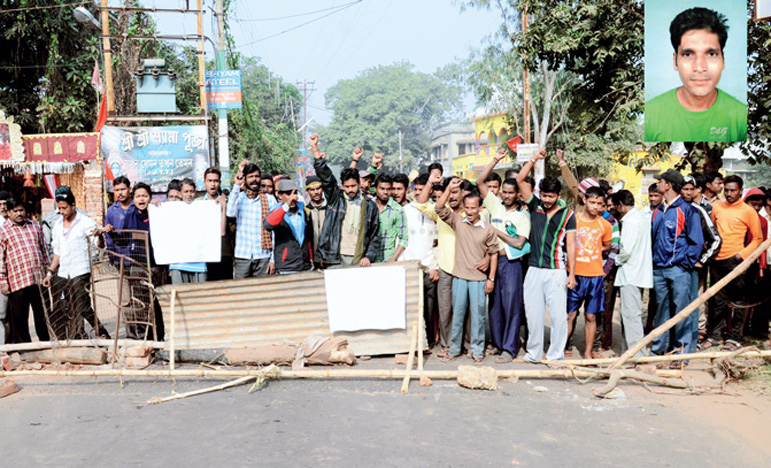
pixel 292 229
pixel 714 186
pixel 593 237
pixel 473 241
pixel 187 272
pixel 553 248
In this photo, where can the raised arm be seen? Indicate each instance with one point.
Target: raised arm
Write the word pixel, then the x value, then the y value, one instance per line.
pixel 570 179
pixel 425 194
pixel 328 181
pixel 481 185
pixel 356 157
pixel 524 188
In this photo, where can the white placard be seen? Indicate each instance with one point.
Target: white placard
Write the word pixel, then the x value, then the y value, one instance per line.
pixel 526 151
pixel 182 232
pixel 762 9
pixel 371 298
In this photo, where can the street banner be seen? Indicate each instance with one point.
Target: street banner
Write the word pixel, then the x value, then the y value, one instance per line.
pixel 186 232
pixel 156 155
pixel 223 89
pixel 526 151
pixel 385 307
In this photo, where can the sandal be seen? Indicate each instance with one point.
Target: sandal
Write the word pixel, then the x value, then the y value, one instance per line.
pixel 731 345
pixel 709 343
pixel 443 353
pixel 449 358
pixel 479 361
pixel 504 358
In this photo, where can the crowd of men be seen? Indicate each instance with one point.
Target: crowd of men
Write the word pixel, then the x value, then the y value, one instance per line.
pixel 498 253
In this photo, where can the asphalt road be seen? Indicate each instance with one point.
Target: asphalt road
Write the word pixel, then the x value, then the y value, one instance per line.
pixel 88 422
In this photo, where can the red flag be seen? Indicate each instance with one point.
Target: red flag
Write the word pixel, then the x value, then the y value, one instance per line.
pixel 513 143
pixel 96 79
pixel 102 118
pixel 108 175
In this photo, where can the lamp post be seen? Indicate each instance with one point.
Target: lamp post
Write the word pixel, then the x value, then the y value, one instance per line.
pixel 82 15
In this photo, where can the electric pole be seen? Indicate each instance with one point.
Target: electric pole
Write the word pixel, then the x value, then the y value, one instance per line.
pixel 539 171
pixel 222 123
pixel 400 152
pixel 305 84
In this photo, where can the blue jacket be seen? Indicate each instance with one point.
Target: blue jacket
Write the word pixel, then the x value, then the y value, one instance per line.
pixel 677 236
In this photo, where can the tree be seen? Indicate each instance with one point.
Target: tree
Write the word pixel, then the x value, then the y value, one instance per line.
pixel 371 109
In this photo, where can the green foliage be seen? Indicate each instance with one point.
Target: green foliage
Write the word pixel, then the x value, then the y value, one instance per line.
pixel 758 146
pixel 45 68
pixel 371 109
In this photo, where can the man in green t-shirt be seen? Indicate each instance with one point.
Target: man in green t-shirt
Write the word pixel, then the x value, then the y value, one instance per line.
pixel 698 110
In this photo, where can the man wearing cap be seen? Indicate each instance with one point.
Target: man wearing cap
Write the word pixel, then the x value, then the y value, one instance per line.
pixel 69 275
pixel 23 261
pixel 740 229
pixel 677 242
pixel 712 243
pixel 366 177
pixel 292 230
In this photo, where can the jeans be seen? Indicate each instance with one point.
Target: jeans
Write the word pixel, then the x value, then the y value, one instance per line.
pixel 673 293
pixel 255 268
pixel 468 295
pixel 545 287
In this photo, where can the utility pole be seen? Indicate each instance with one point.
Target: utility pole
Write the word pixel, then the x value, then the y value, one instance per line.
pixel 400 152
pixel 222 122
pixel 108 89
pixel 305 84
pixel 539 165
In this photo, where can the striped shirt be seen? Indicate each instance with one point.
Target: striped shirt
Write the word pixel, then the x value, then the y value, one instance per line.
pixel 547 235
pixel 23 255
pixel 248 214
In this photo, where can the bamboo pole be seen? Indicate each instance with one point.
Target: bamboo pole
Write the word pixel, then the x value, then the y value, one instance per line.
pixel 314 373
pixel 410 359
pixel 664 358
pixel 172 358
pixel 690 308
pixel 179 396
pixel 36 345
pixel 421 320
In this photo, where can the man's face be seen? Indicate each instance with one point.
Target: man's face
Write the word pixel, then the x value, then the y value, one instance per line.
pixel 17 214
pixel 266 186
pixel 121 192
pixel 212 183
pixel 654 199
pixel 316 194
pixel 3 208
pixel 418 188
pixel 289 198
pixel 188 193
pixel 436 193
pixel 732 192
pixel 141 199
pixel 549 199
pixel 174 195
pixel 365 183
pixel 471 208
pixel 65 209
pixel 494 186
pixel 383 192
pixel 252 181
pixel 662 186
pixel 351 188
pixel 398 192
pixel 699 62
pixel 756 203
pixel 456 196
pixel 595 206
pixel 716 186
pixel 508 195
pixel 687 193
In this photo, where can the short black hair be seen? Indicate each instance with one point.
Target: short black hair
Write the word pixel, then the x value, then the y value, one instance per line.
pixel 186 181
pixel 349 173
pixel 734 179
pixel 174 184
pixel 550 184
pixel 511 181
pixel 623 197
pixel 422 179
pixel 212 170
pixel 653 188
pixel 494 177
pixel 266 176
pixel 530 180
pixel 471 196
pixel 595 192
pixel 142 186
pixel 121 180
pixel 11 203
pixel 467 186
pixel 382 179
pixel 401 179
pixel 700 180
pixel 712 175
pixel 510 174
pixel 698 18
pixel 251 168
pixel 435 165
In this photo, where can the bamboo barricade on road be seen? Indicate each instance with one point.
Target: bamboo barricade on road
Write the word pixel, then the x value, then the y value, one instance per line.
pixel 410 359
pixel 36 345
pixel 690 308
pixel 655 359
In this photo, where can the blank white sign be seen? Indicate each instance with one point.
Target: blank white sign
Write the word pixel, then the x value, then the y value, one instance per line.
pixel 182 232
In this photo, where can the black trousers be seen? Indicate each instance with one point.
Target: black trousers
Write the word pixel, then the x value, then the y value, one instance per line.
pixel 430 309
pixel 222 270
pixel 19 303
pixel 720 323
pixel 71 305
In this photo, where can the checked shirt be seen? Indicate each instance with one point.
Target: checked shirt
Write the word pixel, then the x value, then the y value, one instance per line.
pixel 393 230
pixel 23 255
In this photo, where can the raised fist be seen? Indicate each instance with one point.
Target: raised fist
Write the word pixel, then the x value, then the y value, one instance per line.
pixel 501 154
pixel 314 140
pixel 357 154
pixel 377 160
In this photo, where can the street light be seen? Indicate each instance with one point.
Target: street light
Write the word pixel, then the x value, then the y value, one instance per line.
pixel 84 16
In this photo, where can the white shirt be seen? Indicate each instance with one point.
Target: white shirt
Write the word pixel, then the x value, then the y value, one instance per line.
pixel 422 234
pixel 71 245
pixel 635 257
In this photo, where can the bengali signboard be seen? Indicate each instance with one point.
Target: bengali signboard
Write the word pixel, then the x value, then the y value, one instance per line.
pixel 156 155
pixel 223 89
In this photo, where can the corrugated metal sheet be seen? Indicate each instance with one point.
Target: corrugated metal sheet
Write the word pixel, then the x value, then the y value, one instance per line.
pixel 276 310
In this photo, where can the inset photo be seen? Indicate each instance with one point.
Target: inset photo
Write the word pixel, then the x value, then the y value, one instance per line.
pixel 695 71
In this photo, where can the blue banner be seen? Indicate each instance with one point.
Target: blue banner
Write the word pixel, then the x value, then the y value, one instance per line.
pixel 223 89
pixel 156 155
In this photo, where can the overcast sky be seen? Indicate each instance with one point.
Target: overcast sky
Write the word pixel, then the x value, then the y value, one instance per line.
pixel 344 37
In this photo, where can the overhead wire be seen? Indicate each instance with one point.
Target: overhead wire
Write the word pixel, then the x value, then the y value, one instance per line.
pixel 44 7
pixel 308 13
